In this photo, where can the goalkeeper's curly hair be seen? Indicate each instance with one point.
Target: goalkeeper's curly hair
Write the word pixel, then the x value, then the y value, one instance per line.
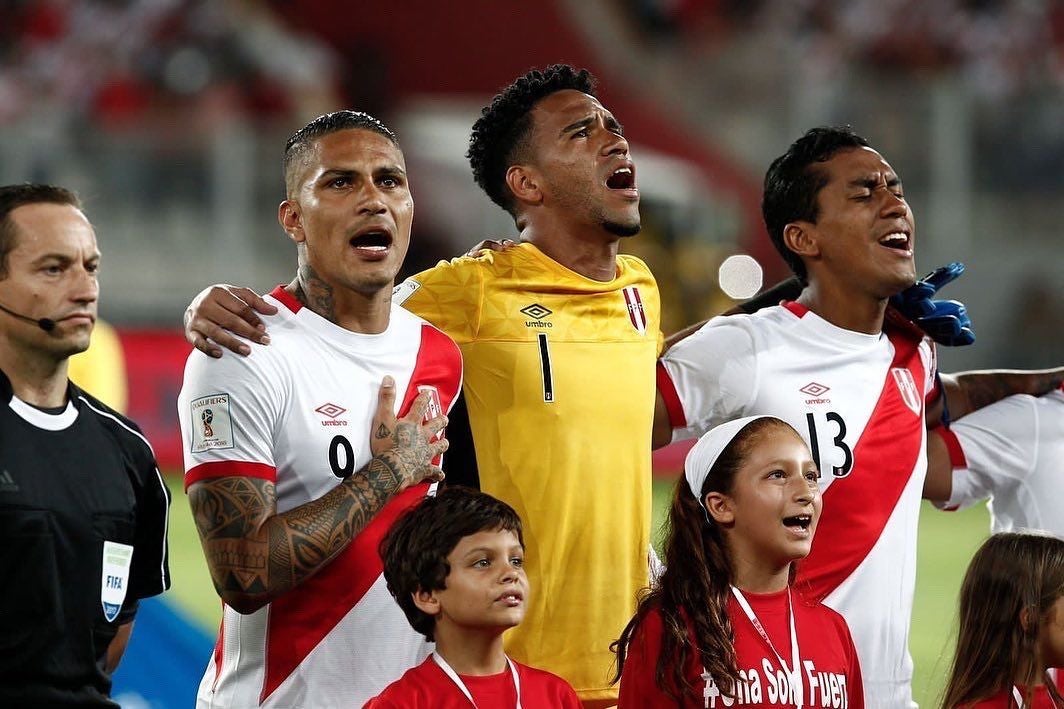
pixel 500 135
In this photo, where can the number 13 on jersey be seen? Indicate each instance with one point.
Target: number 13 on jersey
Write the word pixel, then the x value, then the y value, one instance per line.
pixel 827 442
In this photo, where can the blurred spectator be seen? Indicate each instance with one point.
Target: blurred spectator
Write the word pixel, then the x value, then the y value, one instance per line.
pixel 1002 47
pixel 1034 339
pixel 115 62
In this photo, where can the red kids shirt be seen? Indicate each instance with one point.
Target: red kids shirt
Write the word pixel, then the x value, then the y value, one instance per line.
pixel 427 686
pixel 1013 698
pixel 829 668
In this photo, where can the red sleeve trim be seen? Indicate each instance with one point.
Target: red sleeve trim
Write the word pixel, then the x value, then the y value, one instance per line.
pixel 953 445
pixel 795 307
pixel 671 398
pixel 229 468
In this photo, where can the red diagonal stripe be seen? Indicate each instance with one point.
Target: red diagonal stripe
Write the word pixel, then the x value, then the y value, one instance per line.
pixel 859 505
pixel 301 618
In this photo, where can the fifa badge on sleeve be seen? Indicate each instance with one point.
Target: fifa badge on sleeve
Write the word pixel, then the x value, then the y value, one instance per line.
pixel 115 578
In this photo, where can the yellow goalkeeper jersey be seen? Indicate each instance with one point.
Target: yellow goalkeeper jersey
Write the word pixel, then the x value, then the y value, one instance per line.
pixel 559 386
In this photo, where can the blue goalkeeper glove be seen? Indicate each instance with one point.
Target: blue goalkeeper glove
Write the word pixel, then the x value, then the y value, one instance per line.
pixel 945 321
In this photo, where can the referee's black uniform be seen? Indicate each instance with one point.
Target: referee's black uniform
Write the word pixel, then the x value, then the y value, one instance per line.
pixel 71 480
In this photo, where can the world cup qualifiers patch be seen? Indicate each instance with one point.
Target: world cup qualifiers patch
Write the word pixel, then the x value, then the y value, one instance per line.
pixel 212 426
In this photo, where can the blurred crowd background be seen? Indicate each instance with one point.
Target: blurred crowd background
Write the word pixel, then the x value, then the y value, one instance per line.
pixel 169 117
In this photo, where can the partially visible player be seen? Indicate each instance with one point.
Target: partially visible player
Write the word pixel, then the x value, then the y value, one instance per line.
pixel 721 627
pixel 295 465
pixel 83 508
pixel 858 388
pixel 1011 626
pixel 455 565
pixel 1011 454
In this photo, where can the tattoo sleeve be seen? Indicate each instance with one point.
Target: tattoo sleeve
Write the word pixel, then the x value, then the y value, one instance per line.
pixel 969 391
pixel 255 554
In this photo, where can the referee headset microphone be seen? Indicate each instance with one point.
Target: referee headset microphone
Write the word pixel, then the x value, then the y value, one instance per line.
pixel 46 324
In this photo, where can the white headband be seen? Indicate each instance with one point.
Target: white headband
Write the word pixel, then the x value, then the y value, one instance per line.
pixel 701 459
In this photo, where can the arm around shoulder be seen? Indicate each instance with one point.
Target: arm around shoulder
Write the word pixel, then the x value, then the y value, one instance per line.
pixel 969 391
pixel 220 311
pixel 708 377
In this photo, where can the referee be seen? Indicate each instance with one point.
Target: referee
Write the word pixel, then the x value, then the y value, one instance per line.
pixel 83 509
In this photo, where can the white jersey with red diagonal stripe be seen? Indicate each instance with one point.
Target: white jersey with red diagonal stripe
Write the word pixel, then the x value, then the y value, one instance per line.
pixel 858 401
pixel 298 413
pixel 1012 452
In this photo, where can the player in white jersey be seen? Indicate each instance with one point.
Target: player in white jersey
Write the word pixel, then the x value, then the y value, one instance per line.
pixel 858 400
pixel 1011 454
pixel 855 389
pixel 295 467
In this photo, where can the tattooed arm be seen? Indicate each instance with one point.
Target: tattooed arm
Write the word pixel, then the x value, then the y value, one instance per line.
pixel 967 391
pixel 255 554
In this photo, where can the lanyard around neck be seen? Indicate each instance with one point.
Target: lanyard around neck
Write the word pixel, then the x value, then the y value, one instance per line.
pixel 449 671
pixel 793 672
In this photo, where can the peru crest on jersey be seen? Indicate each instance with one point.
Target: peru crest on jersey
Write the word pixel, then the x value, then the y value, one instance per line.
pixel 635 309
pixel 907 387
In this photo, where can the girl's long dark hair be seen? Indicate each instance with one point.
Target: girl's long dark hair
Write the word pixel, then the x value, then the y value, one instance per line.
pixel 1009 573
pixel 693 591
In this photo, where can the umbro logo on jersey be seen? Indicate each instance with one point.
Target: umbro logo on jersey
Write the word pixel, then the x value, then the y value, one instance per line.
pixel 332 413
pixel 7 483
pixel 816 391
pixel 537 312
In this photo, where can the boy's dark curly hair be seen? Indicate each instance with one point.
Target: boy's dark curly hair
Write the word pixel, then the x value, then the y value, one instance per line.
pixel 415 549
pixel 500 135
